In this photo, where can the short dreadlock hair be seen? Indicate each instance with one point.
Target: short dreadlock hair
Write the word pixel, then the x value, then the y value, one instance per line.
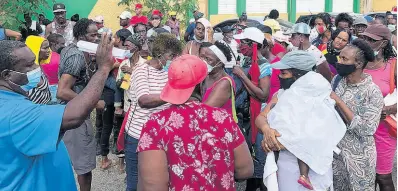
pixel 81 26
pixel 164 43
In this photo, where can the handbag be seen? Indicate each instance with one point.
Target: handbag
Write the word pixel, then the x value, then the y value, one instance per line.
pixel 391 120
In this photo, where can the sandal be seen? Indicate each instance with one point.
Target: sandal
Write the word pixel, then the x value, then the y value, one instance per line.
pixel 304 181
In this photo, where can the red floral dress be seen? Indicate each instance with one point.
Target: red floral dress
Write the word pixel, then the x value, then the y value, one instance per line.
pixel 199 141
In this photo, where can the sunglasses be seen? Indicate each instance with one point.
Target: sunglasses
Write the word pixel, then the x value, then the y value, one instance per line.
pixel 368 39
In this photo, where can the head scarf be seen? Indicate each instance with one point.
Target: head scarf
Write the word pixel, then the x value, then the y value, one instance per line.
pixel 137 40
pixel 220 55
pixel 34 44
pixel 207 25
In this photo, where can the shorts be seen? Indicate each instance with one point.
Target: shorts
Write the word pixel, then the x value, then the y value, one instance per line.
pixel 81 146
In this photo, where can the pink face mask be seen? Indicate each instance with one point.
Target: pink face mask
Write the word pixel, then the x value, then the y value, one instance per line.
pixel 245 49
pixel 320 29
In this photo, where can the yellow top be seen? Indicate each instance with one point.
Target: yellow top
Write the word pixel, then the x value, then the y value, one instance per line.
pixel 273 24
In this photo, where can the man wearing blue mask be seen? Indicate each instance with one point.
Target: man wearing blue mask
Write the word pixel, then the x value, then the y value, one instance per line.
pixel 34 155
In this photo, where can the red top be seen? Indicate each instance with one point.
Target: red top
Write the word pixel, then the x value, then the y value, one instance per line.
pixel 228 105
pixel 138 19
pixel 275 84
pixel 199 141
pixel 278 48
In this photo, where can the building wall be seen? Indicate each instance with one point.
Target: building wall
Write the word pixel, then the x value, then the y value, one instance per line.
pixel 383 5
pixel 296 8
pixel 103 7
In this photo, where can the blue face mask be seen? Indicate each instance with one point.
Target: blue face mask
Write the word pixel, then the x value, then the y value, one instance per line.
pixel 129 54
pixel 33 77
pixel 167 66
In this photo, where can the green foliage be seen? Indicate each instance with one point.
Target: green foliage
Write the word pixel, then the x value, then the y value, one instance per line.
pixel 184 8
pixel 11 11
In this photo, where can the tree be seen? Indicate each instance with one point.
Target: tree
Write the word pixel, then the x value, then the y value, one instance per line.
pixel 12 10
pixel 184 8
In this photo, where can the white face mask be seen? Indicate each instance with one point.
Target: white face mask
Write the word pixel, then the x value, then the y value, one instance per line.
pixel 211 68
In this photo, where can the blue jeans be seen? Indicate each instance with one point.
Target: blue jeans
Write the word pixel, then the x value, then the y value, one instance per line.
pixel 131 157
pixel 260 157
pixel 111 84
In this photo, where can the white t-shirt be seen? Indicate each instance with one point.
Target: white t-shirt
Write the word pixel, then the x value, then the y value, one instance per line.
pixel 319 57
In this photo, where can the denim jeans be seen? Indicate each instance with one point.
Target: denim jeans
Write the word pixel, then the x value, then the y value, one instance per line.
pixel 111 84
pixel 130 148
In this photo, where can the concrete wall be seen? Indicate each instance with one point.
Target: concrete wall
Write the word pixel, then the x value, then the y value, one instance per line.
pixel 110 10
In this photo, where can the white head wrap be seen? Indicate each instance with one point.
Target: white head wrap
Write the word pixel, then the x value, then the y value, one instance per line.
pixel 206 24
pixel 219 54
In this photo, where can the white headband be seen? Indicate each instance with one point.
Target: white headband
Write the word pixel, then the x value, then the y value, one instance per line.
pixel 219 54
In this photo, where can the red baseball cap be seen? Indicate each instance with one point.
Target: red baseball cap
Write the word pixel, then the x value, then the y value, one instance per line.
pixel 157 12
pixel 138 6
pixel 185 73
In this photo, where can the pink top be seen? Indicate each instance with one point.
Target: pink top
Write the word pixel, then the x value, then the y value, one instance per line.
pixel 275 84
pixel 228 105
pixel 51 69
pixel 385 144
pixel 381 77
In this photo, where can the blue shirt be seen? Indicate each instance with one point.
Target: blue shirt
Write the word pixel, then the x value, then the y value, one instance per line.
pixel 190 30
pixel 31 156
pixel 265 70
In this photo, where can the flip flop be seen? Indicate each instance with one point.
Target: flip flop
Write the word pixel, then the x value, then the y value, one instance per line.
pixel 304 181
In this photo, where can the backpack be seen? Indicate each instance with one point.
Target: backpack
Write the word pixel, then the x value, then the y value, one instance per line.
pixel 334 87
pixel 3 35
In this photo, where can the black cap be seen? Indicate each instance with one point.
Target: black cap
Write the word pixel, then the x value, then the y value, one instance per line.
pixel 264 29
pixel 227 29
pixel 59 7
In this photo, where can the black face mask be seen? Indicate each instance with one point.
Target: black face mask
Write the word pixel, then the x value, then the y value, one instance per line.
pixel 286 82
pixel 345 70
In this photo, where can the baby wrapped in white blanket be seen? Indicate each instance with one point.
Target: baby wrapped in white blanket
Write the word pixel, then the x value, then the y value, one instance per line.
pixel 309 125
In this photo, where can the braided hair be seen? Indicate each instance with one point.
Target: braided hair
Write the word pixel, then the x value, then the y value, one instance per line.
pixel 224 49
pixel 388 52
pixel 365 53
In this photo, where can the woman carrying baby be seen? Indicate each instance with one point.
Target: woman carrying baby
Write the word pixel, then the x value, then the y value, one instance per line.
pixel 300 116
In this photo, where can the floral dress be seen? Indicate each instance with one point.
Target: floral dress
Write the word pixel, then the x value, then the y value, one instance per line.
pixel 199 141
pixel 354 169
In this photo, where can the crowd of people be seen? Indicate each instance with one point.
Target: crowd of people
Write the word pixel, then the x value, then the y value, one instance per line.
pixel 303 109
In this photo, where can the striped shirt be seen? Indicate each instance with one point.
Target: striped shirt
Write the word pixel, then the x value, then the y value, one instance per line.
pixel 145 80
pixel 73 63
pixel 40 94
